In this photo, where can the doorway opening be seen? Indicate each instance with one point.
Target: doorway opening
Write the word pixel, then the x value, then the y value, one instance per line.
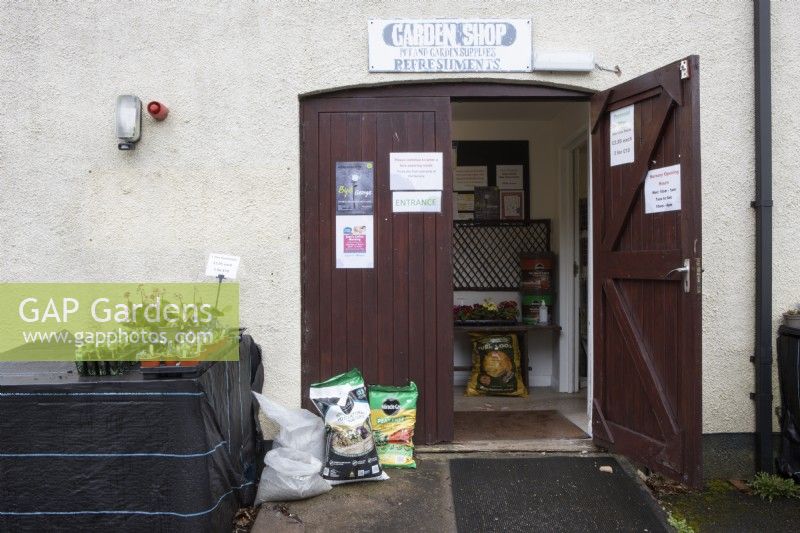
pixel 393 317
pixel 535 152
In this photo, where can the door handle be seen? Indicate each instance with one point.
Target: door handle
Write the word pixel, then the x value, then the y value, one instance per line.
pixel 685 270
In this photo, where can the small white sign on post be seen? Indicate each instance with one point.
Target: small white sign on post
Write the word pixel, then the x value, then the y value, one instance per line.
pixel 621 136
pixel 222 265
pixel 417 202
pixel 662 190
pixel 415 171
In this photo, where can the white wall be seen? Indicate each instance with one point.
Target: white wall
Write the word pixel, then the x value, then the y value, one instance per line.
pixel 786 165
pixel 545 138
pixel 222 172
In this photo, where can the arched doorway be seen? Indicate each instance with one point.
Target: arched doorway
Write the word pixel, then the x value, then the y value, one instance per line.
pixel 394 320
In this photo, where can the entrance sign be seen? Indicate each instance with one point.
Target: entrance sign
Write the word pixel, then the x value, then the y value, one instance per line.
pixel 450 45
pixel 415 171
pixel 417 202
pixel 354 188
pixel 662 190
pixel 621 124
pixel 467 178
pixel 222 265
pixel 354 241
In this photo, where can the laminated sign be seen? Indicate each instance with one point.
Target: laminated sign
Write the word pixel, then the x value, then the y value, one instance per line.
pixel 354 241
pixel 354 187
pixel 621 136
pixel 662 190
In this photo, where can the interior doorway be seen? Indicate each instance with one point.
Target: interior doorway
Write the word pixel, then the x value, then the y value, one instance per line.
pixel 548 140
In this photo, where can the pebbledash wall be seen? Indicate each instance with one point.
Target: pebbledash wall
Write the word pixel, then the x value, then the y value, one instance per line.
pixel 222 172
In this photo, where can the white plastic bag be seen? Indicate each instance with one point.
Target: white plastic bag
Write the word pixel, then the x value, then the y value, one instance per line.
pixel 290 475
pixel 300 429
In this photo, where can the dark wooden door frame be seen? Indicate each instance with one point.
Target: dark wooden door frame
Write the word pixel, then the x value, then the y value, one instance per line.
pixel 459 91
pixel 484 90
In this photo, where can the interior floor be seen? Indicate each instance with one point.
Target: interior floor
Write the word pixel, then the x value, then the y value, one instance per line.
pixel 571 406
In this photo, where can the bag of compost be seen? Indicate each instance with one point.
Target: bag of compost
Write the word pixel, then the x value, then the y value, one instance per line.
pixel 496 365
pixel 349 447
pixel 393 415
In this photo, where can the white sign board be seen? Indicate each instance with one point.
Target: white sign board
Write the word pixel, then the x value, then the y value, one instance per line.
pixel 415 171
pixel 467 178
pixel 221 264
pixel 509 176
pixel 417 202
pixel 354 241
pixel 621 124
pixel 662 190
pixel 450 45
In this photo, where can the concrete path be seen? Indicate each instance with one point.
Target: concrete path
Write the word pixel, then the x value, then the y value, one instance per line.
pixel 412 500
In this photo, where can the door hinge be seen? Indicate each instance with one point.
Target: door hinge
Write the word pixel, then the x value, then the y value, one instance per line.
pixel 576 269
pixel 684 69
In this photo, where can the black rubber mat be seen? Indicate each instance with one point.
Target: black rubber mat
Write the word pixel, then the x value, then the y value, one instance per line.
pixel 550 494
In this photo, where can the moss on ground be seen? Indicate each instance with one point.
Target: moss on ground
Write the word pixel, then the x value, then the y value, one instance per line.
pixel 721 507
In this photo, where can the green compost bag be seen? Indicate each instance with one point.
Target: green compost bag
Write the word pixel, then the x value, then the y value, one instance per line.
pixel 349 446
pixel 393 411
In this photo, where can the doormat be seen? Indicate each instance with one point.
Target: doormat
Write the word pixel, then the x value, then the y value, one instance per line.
pixel 550 494
pixel 513 425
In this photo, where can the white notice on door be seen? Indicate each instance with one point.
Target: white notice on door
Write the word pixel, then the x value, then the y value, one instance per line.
pixel 415 171
pixel 662 190
pixel 621 135
pixel 354 241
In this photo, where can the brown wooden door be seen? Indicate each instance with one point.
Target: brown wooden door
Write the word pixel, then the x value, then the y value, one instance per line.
pixel 647 329
pixel 393 321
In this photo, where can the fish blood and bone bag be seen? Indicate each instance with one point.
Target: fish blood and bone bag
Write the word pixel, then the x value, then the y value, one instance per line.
pixel 350 453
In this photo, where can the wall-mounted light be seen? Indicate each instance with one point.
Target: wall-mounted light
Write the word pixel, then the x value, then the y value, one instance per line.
pixel 567 61
pixel 128 121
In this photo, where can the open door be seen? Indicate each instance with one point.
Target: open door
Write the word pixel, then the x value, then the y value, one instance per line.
pixel 393 321
pixel 647 270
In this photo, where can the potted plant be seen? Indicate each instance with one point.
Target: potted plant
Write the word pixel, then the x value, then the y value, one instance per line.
pixel 792 317
pixel 488 313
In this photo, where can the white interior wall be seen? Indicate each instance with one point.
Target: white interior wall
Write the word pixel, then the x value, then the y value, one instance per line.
pixel 547 127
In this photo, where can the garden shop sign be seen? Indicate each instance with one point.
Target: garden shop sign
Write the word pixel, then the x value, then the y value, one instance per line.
pixel 119 321
pixel 450 45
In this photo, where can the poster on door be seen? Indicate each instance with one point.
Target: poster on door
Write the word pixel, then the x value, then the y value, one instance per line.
pixel 621 136
pixel 354 241
pixel 354 187
pixel 662 190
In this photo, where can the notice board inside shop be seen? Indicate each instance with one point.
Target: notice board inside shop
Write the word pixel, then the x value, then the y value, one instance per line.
pixel 493 153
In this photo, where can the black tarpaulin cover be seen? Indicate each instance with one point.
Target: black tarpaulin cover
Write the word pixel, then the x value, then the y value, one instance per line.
pixel 124 454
